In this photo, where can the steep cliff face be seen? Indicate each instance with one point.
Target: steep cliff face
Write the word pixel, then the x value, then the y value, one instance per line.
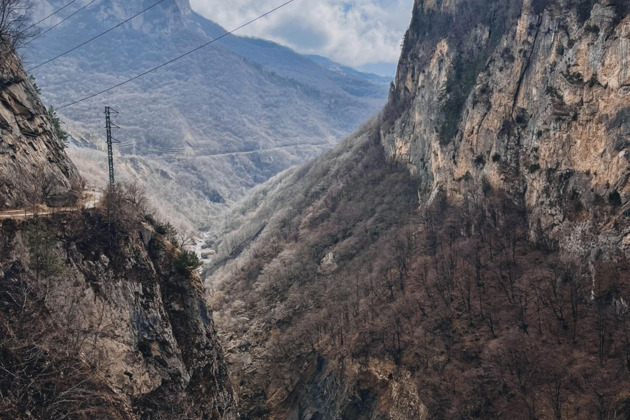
pixel 530 97
pixel 33 166
pixel 463 256
pixel 96 323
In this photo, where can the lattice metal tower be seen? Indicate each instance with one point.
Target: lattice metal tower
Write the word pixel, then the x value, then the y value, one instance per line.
pixel 110 140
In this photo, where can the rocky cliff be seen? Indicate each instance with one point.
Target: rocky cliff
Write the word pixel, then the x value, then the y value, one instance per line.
pixel 33 165
pixel 101 318
pixel 465 255
pixel 102 315
pixel 530 97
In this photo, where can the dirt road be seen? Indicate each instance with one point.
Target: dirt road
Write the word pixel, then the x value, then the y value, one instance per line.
pixel 89 200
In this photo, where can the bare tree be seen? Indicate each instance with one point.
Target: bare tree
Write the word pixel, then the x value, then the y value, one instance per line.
pixel 15 25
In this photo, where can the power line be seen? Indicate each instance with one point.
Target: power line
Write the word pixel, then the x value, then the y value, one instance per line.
pixel 57 24
pixel 52 14
pixel 176 58
pixel 95 37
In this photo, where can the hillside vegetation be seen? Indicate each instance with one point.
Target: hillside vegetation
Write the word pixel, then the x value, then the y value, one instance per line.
pixel 343 298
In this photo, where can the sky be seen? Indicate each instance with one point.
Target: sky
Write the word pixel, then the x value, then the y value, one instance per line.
pixel 364 34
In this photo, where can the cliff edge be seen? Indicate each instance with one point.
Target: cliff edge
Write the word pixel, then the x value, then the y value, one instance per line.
pixel 528 97
pixel 34 168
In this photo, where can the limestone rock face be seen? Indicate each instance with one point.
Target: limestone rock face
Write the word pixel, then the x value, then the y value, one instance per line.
pixel 33 165
pixel 531 98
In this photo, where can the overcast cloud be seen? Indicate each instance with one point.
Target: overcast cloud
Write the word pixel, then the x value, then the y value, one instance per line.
pixel 358 33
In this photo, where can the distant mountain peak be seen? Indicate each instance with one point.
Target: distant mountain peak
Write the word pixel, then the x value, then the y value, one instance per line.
pixel 184 6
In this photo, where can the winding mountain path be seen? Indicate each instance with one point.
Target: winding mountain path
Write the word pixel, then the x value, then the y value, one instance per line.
pixel 89 200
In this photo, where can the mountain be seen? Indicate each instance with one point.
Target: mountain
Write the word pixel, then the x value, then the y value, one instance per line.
pixel 463 255
pixel 345 70
pixel 102 314
pixel 230 115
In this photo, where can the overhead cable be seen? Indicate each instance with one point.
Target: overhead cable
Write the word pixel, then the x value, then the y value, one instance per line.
pixel 58 23
pixel 178 57
pixel 95 37
pixel 52 14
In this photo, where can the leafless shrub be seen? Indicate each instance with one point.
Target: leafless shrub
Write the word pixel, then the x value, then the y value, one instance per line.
pixel 44 375
pixel 15 25
pixel 124 205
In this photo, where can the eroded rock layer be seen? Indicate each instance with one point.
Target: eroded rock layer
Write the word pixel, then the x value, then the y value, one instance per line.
pixel 34 168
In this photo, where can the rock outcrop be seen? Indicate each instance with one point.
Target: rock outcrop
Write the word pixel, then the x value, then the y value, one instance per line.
pixel 33 165
pixel 131 334
pixel 529 97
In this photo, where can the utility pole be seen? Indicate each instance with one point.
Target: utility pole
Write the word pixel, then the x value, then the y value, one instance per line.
pixel 110 140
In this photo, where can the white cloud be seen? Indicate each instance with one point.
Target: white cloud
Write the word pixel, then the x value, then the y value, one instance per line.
pixel 352 32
